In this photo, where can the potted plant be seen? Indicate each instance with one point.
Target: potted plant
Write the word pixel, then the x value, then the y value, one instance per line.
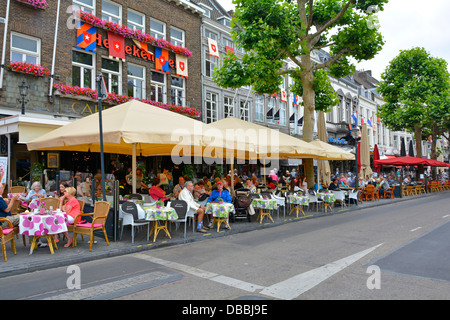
pixel 159 204
pixel 220 200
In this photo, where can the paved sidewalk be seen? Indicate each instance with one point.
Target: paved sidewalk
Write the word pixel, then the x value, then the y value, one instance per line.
pixel 41 258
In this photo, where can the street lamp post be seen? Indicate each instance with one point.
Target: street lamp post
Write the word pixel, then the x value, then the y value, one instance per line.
pixel 355 134
pixel 23 90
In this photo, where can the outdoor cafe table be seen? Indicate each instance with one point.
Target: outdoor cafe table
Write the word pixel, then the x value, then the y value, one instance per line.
pixel 158 215
pixel 298 201
pixel 328 198
pixel 220 211
pixel 264 204
pixel 43 225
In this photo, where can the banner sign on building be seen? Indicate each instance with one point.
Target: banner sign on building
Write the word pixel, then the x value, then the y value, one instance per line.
pixel 87 37
pixel 213 49
pixel 161 60
pixel 182 66
pixel 3 169
pixel 116 46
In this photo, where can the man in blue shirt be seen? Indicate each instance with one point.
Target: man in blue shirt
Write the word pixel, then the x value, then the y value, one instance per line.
pixel 5 209
pixel 220 193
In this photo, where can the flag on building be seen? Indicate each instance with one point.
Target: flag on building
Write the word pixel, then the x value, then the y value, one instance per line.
pixel 283 96
pixel 182 66
pixel 296 102
pixel 142 45
pixel 213 49
pixel 355 119
pixel 116 46
pixel 369 122
pixel 86 37
pixel 161 60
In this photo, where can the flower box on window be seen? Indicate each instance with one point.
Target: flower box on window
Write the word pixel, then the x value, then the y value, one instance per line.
pixel 37 4
pixel 28 68
pixel 115 99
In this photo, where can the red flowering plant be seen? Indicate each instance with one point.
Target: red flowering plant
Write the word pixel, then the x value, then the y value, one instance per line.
pixel 28 68
pixel 126 32
pixel 116 99
pixel 37 4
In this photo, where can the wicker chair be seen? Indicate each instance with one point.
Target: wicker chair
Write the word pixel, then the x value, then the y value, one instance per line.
pixel 99 216
pixel 7 235
pixel 17 189
pixel 369 191
pixel 389 193
pixel 50 202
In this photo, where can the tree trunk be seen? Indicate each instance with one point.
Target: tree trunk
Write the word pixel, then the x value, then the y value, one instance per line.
pixel 308 116
pixel 433 154
pixel 418 136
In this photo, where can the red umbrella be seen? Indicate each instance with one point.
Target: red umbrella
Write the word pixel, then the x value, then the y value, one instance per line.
pixel 376 156
pixel 435 163
pixel 402 161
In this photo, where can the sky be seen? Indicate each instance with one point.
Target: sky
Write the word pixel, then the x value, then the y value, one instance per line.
pixel 406 24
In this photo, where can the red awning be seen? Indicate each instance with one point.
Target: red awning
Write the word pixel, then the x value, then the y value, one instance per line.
pixel 435 163
pixel 402 161
pixel 411 161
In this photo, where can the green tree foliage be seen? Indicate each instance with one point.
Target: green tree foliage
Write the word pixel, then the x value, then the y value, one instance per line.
pixel 415 87
pixel 272 31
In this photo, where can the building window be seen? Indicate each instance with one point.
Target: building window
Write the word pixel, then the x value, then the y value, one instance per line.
pixel 177 91
pixel 211 107
pixel 112 73
pixel 111 12
pixel 244 110
pixel 82 69
pixel 211 35
pixel 225 21
pixel 228 43
pixel 157 29
pixel 282 111
pixel 85 5
pixel 177 36
pixel 136 20
pixel 228 107
pixel 259 108
pixel 136 81
pixel 158 87
pixel 25 49
pixel 271 103
pixel 210 63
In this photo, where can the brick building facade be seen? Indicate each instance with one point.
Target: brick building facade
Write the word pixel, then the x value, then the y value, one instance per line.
pixel 30 37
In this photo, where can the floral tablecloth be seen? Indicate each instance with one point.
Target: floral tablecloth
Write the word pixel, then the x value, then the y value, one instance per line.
pixel 42 225
pixel 269 204
pixel 297 199
pixel 163 213
pixel 327 197
pixel 219 210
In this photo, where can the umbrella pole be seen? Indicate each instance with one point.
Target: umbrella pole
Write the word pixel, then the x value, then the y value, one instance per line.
pixel 133 167
pixel 232 176
pixel 102 157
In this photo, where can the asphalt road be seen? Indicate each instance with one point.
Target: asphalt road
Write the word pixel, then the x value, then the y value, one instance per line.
pixel 394 252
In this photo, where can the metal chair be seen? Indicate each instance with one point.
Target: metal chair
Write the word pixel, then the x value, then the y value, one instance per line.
pixel 182 209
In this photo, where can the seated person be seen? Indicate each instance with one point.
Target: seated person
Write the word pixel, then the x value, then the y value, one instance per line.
pixel 156 192
pixel 199 191
pixel 317 186
pixel 72 208
pixel 249 185
pixel 186 195
pixel 384 185
pixel 334 185
pixel 177 189
pixel 5 209
pixel 220 192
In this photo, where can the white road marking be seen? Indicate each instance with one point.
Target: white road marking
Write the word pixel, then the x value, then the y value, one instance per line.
pixel 288 289
pixel 250 287
pixel 297 285
pixel 413 230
